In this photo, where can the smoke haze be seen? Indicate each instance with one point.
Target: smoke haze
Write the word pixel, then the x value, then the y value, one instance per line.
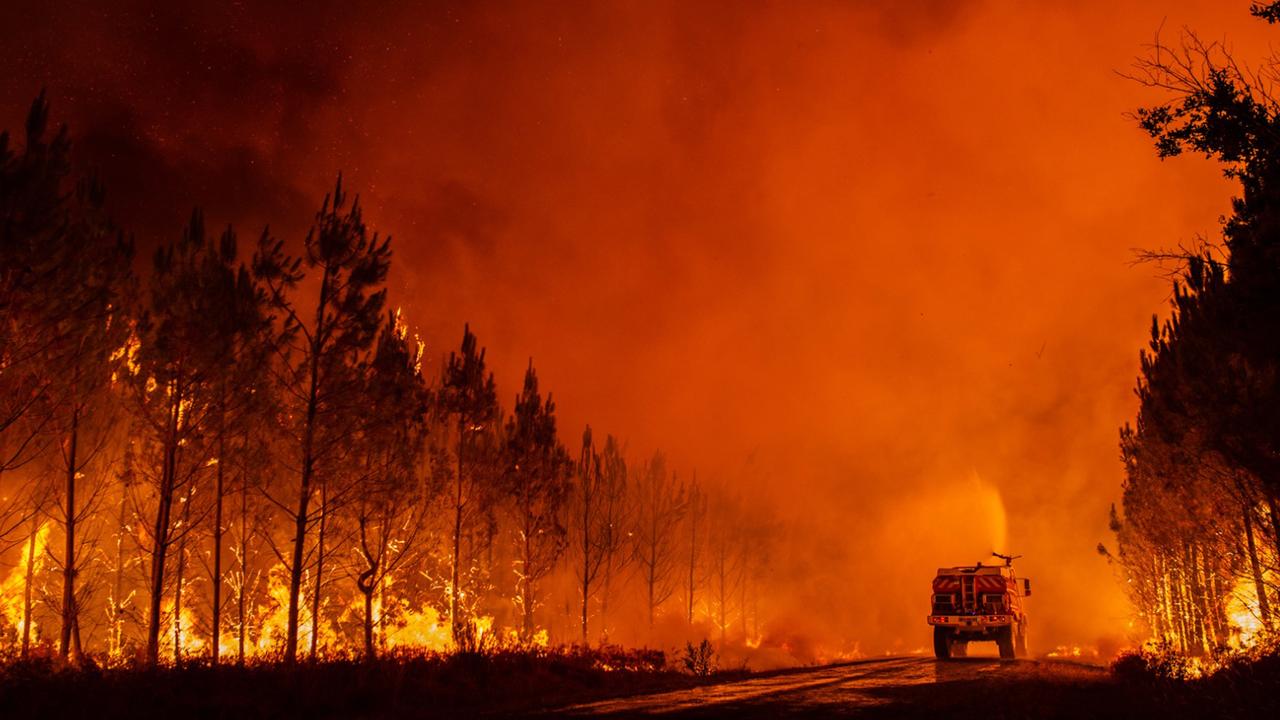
pixel 870 263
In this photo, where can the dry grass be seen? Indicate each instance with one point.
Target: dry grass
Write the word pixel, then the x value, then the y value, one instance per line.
pixel 402 686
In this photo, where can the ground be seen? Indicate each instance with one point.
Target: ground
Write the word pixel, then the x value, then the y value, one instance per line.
pixel 917 687
pixel 514 684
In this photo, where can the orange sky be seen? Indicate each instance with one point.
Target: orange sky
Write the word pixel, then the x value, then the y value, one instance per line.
pixel 873 263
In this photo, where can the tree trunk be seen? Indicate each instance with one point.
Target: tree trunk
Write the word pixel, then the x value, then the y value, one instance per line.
pixel 69 556
pixel 606 587
pixel 216 574
pixel 693 559
pixel 241 630
pixel 161 535
pixel 652 581
pixel 308 468
pixel 315 598
pixel 457 536
pixel 527 580
pixel 722 611
pixel 370 652
pixel 1274 512
pixel 117 602
pixel 26 587
pixel 1259 584
pixel 299 539
pixel 178 580
pixel 586 551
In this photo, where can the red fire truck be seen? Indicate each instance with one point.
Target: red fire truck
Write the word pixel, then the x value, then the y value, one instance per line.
pixel 977 603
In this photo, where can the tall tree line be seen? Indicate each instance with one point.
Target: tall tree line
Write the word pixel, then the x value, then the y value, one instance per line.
pixel 232 452
pixel 1199 531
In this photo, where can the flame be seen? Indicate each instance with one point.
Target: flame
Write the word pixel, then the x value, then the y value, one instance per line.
pixel 129 354
pixel 274 627
pixel 12 589
pixel 193 645
pixel 404 626
pixel 1243 613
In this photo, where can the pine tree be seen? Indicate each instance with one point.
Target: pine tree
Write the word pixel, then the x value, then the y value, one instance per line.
pixel 321 356
pixel 393 499
pixel 537 486
pixel 469 400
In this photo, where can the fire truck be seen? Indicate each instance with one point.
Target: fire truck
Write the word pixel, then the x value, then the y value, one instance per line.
pixel 979 603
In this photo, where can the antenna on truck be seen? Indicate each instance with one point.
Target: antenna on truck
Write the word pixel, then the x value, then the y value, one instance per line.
pixel 1008 559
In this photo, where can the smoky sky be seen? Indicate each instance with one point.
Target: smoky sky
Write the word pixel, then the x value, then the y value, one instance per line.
pixel 868 261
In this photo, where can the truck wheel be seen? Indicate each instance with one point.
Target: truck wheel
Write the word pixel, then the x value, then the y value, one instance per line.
pixel 941 643
pixel 1020 646
pixel 1005 642
pixel 959 648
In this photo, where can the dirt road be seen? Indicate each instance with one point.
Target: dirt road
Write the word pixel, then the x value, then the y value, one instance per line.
pixel 890 687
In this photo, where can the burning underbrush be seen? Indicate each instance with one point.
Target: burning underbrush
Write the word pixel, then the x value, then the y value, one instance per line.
pixel 1161 663
pixel 1231 682
pixel 402 683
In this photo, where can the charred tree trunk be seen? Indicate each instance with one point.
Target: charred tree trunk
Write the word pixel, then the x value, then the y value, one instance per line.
pixel 215 578
pixel 693 562
pixel 1159 627
pixel 652 581
pixel 308 468
pixel 241 616
pixel 370 651
pixel 316 596
pixel 526 580
pixel 457 536
pixel 69 555
pixel 1274 513
pixel 1255 567
pixel 1180 608
pixel 26 586
pixel 160 548
pixel 117 601
pixel 365 584
pixel 606 586
pixel 586 560
pixel 178 580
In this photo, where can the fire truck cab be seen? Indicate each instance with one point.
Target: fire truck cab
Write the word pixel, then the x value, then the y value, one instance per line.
pixel 978 603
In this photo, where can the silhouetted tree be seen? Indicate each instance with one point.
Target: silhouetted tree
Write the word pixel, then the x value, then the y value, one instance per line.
pixel 659 503
pixel 391 504
pixel 613 540
pixel 321 354
pixel 537 484
pixel 586 523
pixel 695 518
pixel 175 363
pixel 469 399
pixel 1203 457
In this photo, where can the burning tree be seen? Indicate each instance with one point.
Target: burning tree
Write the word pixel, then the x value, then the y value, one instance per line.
pixel 659 503
pixel 613 537
pixel 319 358
pixel 469 399
pixel 394 497
pixel 537 486
pixel 585 522
pixel 1202 475
pixel 277 413
pixel 178 362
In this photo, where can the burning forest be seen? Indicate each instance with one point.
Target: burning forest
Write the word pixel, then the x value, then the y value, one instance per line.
pixel 404 360
pixel 241 455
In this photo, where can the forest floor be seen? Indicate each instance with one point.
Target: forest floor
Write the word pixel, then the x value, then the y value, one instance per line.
pixel 557 685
